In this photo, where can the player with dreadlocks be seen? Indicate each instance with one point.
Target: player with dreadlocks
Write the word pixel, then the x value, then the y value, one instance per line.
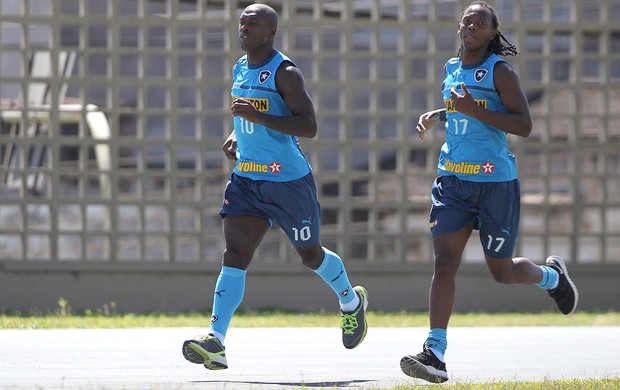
pixel 478 186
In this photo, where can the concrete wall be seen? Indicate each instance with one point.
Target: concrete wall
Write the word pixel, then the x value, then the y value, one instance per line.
pixel 179 288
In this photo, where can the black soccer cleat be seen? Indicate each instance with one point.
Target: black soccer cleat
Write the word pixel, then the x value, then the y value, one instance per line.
pixel 565 294
pixel 424 365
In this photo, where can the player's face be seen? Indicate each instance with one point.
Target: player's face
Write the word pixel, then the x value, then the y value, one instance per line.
pixel 476 28
pixel 255 31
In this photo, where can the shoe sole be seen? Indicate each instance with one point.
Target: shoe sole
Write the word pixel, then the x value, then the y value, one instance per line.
pixel 415 369
pixel 194 353
pixel 362 291
pixel 560 262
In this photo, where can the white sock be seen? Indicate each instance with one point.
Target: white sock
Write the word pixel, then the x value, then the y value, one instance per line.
pixel 218 336
pixel 438 354
pixel 350 306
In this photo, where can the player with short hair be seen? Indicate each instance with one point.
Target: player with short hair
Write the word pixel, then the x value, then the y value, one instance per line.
pixel 272 181
pixel 478 185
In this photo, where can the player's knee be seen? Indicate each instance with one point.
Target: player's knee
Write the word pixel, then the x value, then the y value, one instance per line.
pixel 445 267
pixel 311 257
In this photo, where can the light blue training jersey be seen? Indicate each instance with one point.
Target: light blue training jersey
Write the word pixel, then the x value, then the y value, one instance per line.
pixel 264 153
pixel 474 150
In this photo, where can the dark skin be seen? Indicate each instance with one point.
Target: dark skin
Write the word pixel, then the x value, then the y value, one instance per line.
pixel 476 31
pixel 243 233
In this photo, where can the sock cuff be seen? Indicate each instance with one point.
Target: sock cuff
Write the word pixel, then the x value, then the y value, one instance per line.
pixel 233 272
pixel 549 277
pixel 437 340
pixel 329 256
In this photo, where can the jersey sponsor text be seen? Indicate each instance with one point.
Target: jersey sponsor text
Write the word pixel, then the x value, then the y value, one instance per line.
pixel 450 104
pixel 262 104
pixel 462 167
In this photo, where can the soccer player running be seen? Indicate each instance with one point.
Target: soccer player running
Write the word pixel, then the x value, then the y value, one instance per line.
pixel 478 186
pixel 272 181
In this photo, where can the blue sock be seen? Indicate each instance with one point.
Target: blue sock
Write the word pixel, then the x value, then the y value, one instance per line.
pixel 550 278
pixel 229 291
pixel 437 341
pixel 333 273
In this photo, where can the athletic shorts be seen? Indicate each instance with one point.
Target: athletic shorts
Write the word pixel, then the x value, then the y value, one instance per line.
pixel 494 207
pixel 293 205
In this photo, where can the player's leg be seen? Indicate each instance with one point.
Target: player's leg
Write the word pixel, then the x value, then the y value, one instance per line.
pixel 244 228
pixel 551 276
pixel 243 234
pixel 353 300
pixel 297 211
pixel 430 364
pixel 452 221
pixel 499 226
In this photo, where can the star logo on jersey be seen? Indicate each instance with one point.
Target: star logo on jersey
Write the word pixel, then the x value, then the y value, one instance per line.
pixel 480 74
pixel 263 76
pixel 275 167
pixel 488 167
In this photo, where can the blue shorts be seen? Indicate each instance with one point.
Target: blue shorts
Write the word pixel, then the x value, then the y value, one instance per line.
pixel 494 207
pixel 293 205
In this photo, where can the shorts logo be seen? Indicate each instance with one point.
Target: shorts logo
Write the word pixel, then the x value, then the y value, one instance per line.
pixel 480 74
pixel 432 224
pixel 264 76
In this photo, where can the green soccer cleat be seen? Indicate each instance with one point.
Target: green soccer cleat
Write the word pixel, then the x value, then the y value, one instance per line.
pixel 206 350
pixel 354 325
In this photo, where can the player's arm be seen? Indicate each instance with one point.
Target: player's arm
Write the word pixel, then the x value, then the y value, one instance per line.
pixel 431 118
pixel 516 120
pixel 230 146
pixel 290 85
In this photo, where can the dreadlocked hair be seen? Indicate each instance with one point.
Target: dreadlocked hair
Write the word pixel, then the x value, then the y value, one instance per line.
pixel 499 45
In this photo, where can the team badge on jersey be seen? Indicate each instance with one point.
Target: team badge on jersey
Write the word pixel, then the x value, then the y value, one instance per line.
pixel 264 76
pixel 480 74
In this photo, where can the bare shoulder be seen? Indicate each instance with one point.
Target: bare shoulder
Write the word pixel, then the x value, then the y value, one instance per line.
pixel 505 76
pixel 289 78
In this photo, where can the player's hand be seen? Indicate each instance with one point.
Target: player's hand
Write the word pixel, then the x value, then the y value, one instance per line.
pixel 463 103
pixel 230 147
pixel 245 109
pixel 427 121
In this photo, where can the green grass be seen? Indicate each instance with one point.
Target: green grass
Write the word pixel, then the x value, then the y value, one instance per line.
pixel 564 384
pixel 107 317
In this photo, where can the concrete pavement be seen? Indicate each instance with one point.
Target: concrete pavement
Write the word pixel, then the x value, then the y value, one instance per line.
pixel 286 358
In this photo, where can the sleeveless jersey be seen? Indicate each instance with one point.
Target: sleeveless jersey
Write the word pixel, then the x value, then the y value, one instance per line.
pixel 473 150
pixel 264 153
